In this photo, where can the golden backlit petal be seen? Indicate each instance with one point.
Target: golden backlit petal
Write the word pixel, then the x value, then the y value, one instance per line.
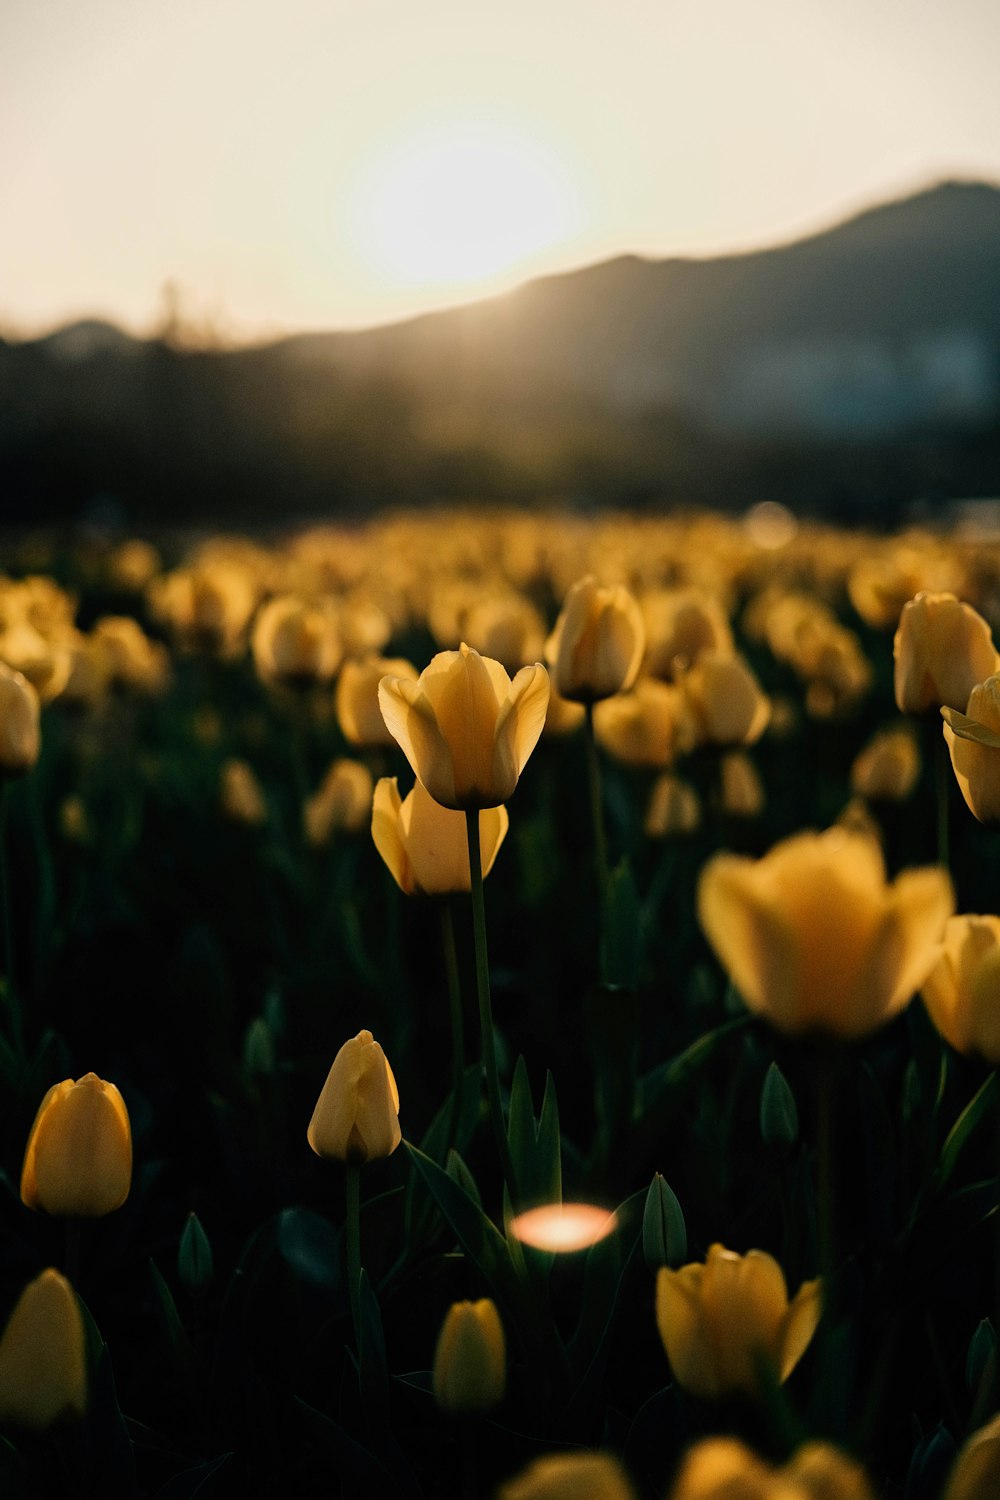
pixel 975 1474
pixel 722 1469
pixel 920 903
pixel 563 1226
pixel 966 728
pixel 753 941
pixel 411 721
pixel 529 701
pixel 386 834
pixel 466 708
pixel 684 1331
pixel 984 1006
pixel 43 1375
pixel 437 844
pixel 799 1324
pixel 493 825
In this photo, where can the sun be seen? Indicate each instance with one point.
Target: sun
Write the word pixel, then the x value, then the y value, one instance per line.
pixel 458 200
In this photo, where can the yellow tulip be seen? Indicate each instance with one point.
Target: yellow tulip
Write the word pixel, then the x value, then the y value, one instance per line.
pixel 356 1118
pixel 680 625
pixel 356 698
pixel 43 1373
pixel 20 734
pixel 646 726
pixel 888 767
pixel 425 845
pixel 941 650
pixel 570 1476
pixel 241 795
pixel 296 641
pixel 725 701
pixel 962 991
pixel 342 804
pixel 973 740
pixel 596 647
pixel 815 939
pixel 470 1362
pixel 720 1320
pixel 78 1161
pixel 740 786
pixel 465 727
pixel 726 1469
pixel 674 808
pixel 975 1474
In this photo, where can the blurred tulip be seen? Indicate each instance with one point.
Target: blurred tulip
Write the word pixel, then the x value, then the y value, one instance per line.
pixel 941 650
pixel 295 641
pixel 470 1362
pixel 356 1118
pixel 741 789
pixel 20 732
pixel 506 627
pixel 887 768
pixel 465 727
pixel 973 740
pixel 207 607
pixel 975 1474
pixel 596 647
pixel 646 726
pixel 45 663
pixel 78 1161
pixel 131 660
pixel 673 808
pixel 43 1373
pixel 726 1469
pixel 813 937
pixel 962 991
pixel 356 700
pixel 681 624
pixel 343 803
pixel 561 717
pixel 724 700
pixel 570 1476
pixel 425 845
pixel 719 1320
pixel 241 795
pixel 819 1471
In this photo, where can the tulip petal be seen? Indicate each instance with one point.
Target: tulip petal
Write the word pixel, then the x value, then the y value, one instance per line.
pixel 754 944
pixel 799 1324
pixel 970 729
pixel 920 903
pixel 465 706
pixel 411 720
pixel 528 704
pixel 386 805
pixel 683 1330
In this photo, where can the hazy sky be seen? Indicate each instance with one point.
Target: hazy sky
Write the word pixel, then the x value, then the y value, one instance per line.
pixel 319 163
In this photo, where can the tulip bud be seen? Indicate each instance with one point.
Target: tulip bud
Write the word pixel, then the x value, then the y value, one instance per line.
pixel 887 768
pixel 296 642
pixel 343 803
pixel 646 726
pixel 356 700
pixel 194 1257
pixel 258 1049
pixel 674 808
pixel 962 991
pixel 470 1362
pixel 570 1476
pixel 982 1349
pixel 722 1469
pixel 741 789
pixel 664 1233
pixel 241 795
pixel 596 647
pixel 20 736
pixel 356 1118
pixel 78 1161
pixel 725 700
pixel 779 1118
pixel 43 1373
pixel 941 650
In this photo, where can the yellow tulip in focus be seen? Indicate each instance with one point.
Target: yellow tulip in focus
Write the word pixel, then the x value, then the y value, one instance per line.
pixel 973 740
pixel 887 768
pixel 644 727
pixel 962 991
pixel 20 733
pixel 356 1118
pixel 570 1476
pixel 719 1320
pixel 975 1474
pixel 296 641
pixel 470 1362
pixel 725 701
pixel 425 845
pixel 356 698
pixel 815 939
pixel 343 803
pixel 78 1161
pixel 596 647
pixel 942 649
pixel 465 727
pixel 43 1373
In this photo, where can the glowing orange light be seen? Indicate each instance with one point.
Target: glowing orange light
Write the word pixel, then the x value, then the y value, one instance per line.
pixel 563 1226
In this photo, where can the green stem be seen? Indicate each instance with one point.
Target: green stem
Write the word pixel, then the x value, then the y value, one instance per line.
pixel 73 1243
pixel 354 1248
pixel 942 779
pixel 597 812
pixel 485 1006
pixel 455 1013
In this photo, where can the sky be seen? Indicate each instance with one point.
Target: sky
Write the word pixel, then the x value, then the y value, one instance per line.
pixel 296 164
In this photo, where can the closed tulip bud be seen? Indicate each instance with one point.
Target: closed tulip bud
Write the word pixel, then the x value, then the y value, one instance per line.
pixel 43 1373
pixel 942 649
pixel 975 1474
pixel 596 647
pixel 719 1321
pixel 664 1233
pixel 343 803
pixel 20 734
pixel 673 809
pixel 194 1257
pixel 821 1472
pixel 78 1162
pixel 570 1476
pixel 725 701
pixel 470 1362
pixel 465 727
pixel 973 740
pixel 741 789
pixel 356 699
pixel 295 642
pixel 241 795
pixel 815 939
pixel 962 991
pixel 887 768
pixel 722 1469
pixel 425 845
pixel 779 1118
pixel 356 1118
pixel 647 726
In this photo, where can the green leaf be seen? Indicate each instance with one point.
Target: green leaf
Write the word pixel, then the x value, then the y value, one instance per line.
pixel 477 1234
pixel 621 948
pixel 374 1372
pixel 310 1246
pixel 180 1344
pixel 459 1172
pixel 972 1116
pixel 608 1264
pixel 198 1481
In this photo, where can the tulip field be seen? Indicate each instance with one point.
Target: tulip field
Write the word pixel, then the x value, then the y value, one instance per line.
pixel 501 1006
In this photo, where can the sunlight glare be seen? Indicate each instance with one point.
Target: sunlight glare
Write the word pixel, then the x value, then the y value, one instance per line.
pixel 459 200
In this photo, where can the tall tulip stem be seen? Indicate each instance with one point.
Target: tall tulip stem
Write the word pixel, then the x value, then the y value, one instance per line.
pixel 455 1013
pixel 354 1248
pixel 485 1006
pixel 597 810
